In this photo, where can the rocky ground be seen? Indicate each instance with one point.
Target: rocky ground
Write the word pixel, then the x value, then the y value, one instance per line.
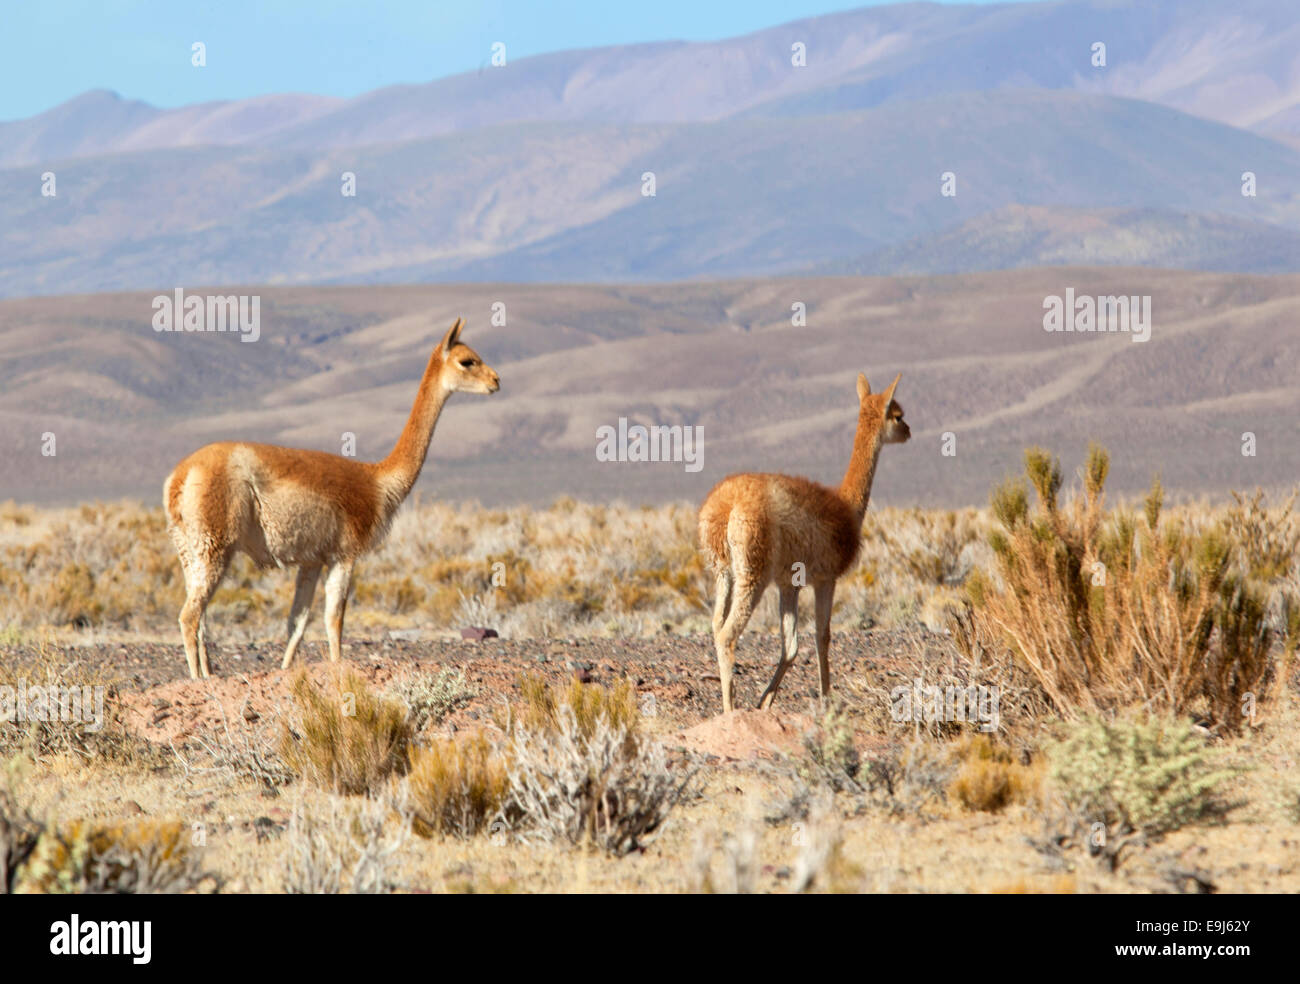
pixel 676 678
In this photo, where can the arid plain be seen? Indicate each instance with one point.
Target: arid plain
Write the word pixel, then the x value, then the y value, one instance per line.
pixel 444 778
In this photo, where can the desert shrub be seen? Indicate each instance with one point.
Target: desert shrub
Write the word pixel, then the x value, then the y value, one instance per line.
pixel 457 786
pixel 908 778
pixel 821 865
pixel 69 710
pixel 832 756
pixel 143 857
pixel 345 737
pixel 247 752
pixel 989 778
pixel 597 787
pixel 1107 610
pixel 345 848
pixel 1138 776
pixel 726 863
pixel 429 699
pixel 19 834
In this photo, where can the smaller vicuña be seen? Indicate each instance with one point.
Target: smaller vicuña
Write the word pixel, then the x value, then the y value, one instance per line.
pixel 761 529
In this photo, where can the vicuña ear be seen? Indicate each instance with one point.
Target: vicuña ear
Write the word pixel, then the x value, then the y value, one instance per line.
pixel 889 393
pixel 453 335
pixel 864 387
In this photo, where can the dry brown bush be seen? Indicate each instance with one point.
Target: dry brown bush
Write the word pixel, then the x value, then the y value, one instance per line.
pixel 1108 610
pixel 141 857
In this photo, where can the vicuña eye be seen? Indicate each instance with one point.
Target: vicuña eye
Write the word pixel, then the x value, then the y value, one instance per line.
pixel 467 363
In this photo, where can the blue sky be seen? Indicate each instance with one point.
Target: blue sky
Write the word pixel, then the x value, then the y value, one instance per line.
pixel 52 50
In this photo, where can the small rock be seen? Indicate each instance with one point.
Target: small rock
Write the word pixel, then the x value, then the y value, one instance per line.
pixel 132 809
pixel 478 633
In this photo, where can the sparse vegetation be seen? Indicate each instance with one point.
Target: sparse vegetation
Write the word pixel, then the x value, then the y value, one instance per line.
pixel 417 782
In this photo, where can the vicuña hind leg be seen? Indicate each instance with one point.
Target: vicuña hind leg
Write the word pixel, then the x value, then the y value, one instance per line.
pixel 824 595
pixel 337 583
pixel 721 599
pixel 745 595
pixel 789 643
pixel 300 610
pixel 201 580
pixel 203 644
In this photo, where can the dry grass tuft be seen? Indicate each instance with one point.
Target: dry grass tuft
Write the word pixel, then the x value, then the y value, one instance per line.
pixel 345 737
pixel 457 786
pixel 989 779
pixel 543 706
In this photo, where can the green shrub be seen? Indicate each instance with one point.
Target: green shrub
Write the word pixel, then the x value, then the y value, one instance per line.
pixel 1139 776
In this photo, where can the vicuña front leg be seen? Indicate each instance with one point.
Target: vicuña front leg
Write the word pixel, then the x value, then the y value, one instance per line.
pixel 337 583
pixel 300 610
pixel 824 595
pixel 744 597
pixel 789 643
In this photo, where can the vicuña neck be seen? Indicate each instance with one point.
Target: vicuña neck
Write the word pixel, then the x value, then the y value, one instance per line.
pixel 403 464
pixel 856 487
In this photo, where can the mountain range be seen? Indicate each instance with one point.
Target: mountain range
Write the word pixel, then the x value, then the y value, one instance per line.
pixel 537 171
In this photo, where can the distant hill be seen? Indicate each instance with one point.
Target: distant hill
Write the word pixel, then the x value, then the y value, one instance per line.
pixel 125 402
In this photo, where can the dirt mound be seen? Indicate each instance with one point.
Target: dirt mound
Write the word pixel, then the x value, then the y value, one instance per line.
pixel 748 734
pixel 176 710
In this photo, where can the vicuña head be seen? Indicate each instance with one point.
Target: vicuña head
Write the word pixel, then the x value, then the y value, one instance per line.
pixel 760 529
pixel 315 511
